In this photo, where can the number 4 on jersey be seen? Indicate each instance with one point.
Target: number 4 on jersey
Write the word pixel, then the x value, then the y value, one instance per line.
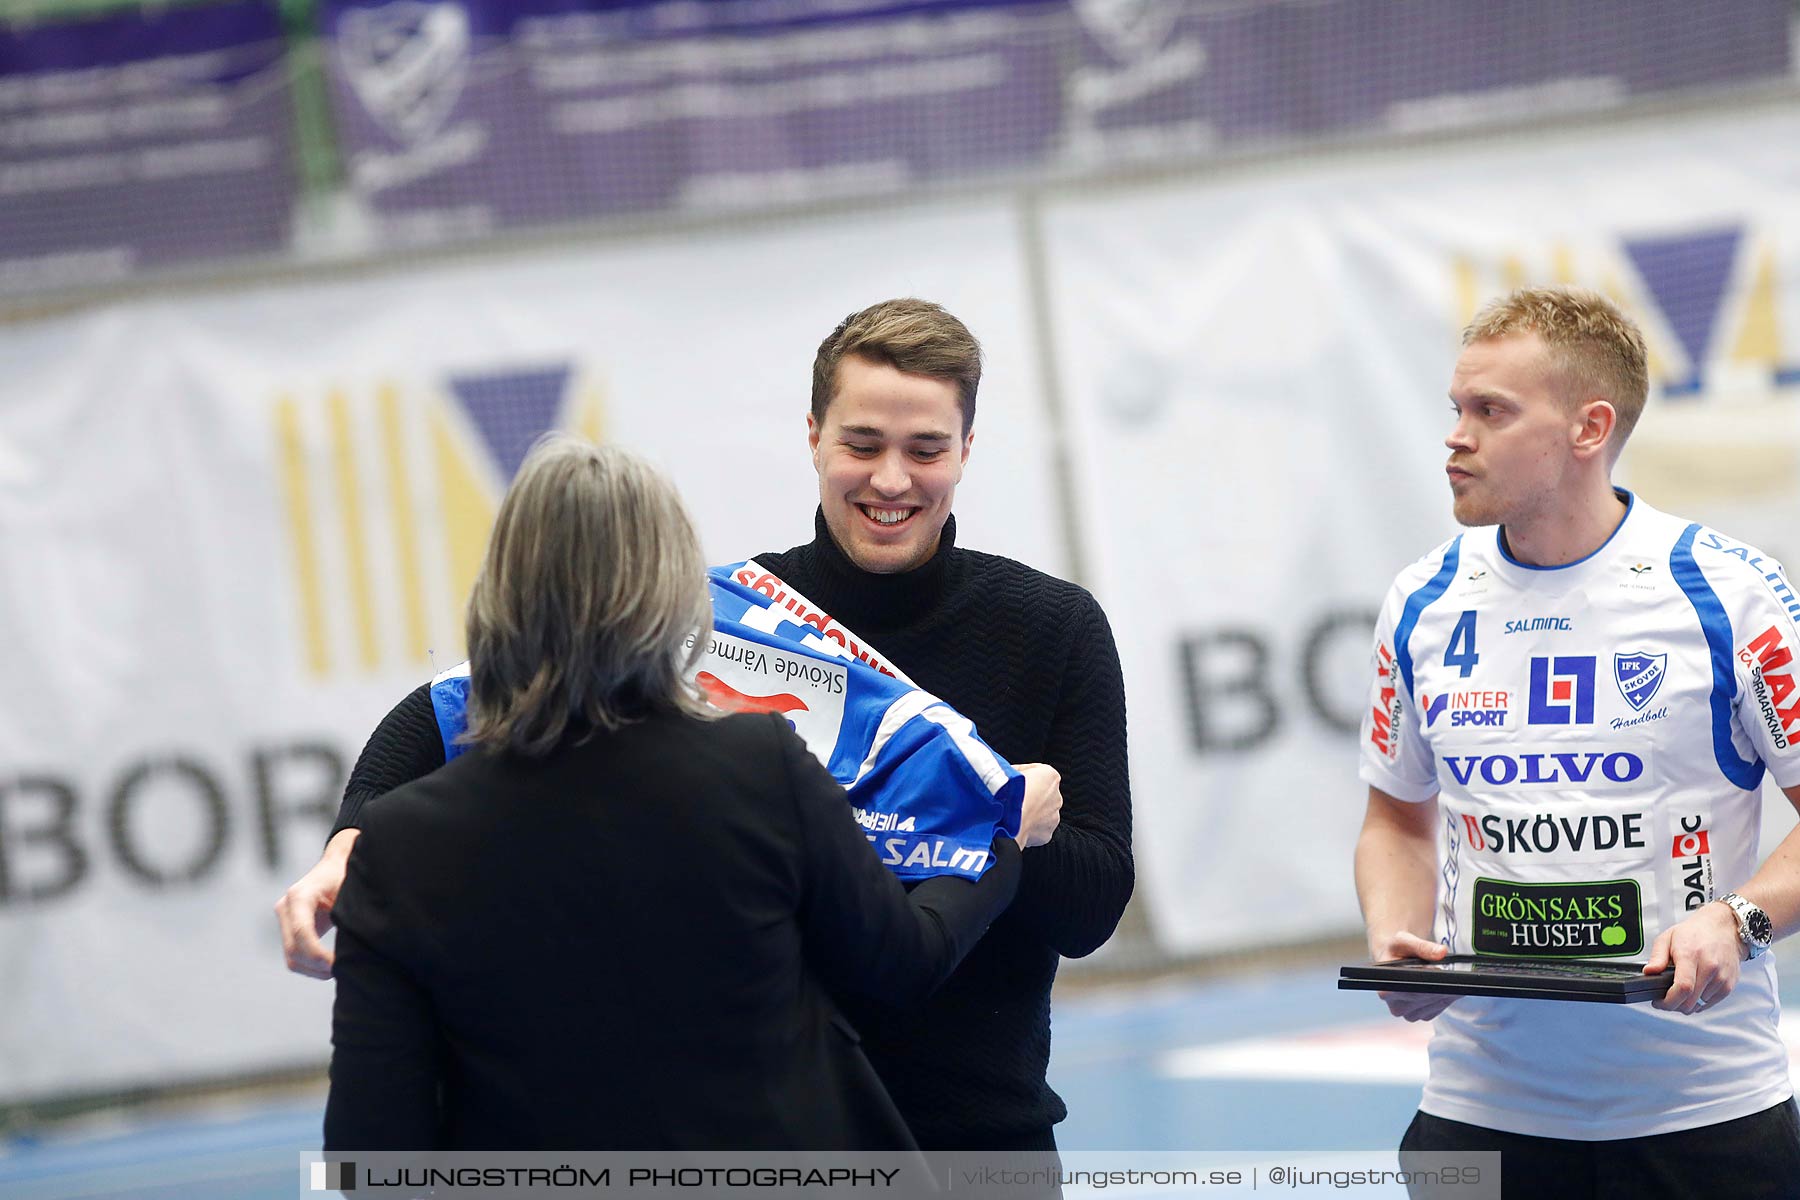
pixel 1461 651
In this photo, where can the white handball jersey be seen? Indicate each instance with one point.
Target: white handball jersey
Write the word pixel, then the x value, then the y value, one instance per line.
pixel 1596 735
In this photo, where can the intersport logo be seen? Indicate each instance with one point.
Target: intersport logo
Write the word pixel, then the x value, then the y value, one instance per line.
pixel 1465 708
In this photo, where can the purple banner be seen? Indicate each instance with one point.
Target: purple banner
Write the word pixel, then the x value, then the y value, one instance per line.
pixel 162 136
pixel 458 118
pixel 140 140
pixel 1166 75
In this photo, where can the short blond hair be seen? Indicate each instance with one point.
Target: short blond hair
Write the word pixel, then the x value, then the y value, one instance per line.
pixel 1598 349
pixel 591 608
pixel 913 336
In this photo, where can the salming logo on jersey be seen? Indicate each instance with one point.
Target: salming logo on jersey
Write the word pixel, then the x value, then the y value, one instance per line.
pixel 1771 572
pixel 1540 625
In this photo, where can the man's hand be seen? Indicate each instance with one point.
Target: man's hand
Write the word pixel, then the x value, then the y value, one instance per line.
pixel 1396 884
pixel 1041 811
pixel 1706 953
pixel 1414 1006
pixel 304 910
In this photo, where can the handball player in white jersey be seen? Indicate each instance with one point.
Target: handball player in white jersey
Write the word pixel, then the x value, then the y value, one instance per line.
pixel 1574 706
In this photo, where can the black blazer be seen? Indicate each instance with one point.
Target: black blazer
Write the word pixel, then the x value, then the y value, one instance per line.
pixel 629 945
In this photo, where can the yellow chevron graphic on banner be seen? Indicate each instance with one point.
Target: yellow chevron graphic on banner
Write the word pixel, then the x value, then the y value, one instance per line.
pixel 1467 283
pixel 405 523
pixel 590 421
pixel 1562 264
pixel 350 513
pixel 1512 273
pixel 298 494
pixel 1759 341
pixel 469 507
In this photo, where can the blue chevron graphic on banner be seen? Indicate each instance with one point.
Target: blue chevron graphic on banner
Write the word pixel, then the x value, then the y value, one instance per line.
pixel 512 409
pixel 1687 276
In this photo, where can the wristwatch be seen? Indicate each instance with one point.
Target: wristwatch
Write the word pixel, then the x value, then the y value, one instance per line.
pixel 1754 928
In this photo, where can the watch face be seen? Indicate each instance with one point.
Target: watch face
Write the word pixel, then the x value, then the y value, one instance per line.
pixel 1760 928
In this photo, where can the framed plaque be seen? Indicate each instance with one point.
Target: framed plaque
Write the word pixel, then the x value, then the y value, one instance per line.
pixel 1522 978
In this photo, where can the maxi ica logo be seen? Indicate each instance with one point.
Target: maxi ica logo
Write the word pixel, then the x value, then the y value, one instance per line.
pixel 389 489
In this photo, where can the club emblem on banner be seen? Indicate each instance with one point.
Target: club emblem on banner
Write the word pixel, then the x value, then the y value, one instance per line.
pixel 1639 675
pixel 407 63
pixel 1129 29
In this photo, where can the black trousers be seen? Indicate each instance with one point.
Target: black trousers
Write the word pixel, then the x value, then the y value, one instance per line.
pixel 1747 1159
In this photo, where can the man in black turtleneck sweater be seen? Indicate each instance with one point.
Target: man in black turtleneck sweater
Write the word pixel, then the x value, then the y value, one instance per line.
pixel 1027 657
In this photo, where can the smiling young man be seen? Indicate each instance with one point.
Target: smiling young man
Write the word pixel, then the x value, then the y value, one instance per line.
pixel 889 447
pixel 1573 709
pixel 1027 657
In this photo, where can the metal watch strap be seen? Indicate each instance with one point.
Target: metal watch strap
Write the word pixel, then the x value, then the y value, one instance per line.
pixel 1746 912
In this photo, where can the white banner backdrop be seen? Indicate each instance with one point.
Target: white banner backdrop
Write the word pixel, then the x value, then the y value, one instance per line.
pixel 236 528
pixel 1256 370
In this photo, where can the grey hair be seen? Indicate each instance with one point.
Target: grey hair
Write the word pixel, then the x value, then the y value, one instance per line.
pixel 591 609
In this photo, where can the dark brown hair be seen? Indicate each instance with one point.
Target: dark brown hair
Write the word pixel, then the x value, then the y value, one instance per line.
pixel 914 336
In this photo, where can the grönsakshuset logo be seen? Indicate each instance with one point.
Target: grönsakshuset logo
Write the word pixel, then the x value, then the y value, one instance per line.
pixel 1602 919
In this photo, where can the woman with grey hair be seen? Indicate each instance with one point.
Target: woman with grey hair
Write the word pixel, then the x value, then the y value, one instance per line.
pixel 619 921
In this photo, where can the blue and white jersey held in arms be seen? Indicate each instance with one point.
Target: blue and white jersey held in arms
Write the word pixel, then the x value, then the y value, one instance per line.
pixel 1596 736
pixel 930 795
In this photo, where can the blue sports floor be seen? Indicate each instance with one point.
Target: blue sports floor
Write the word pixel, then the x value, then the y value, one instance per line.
pixel 1262 1062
